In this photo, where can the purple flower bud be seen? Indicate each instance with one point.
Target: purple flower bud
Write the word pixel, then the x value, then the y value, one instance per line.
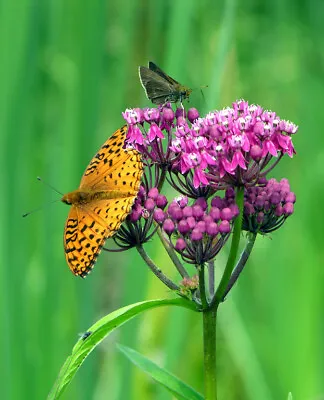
pixel 262 181
pixel 193 114
pixel 175 212
pixel 180 244
pixel 202 203
pixel 260 217
pixel 197 211
pixel 215 213
pixel 187 211
pixel 224 227
pixel 267 206
pixel 168 114
pixel 149 204
pixel 208 219
pixel 183 227
pixel 226 214
pixel 275 198
pixel 168 226
pixel 249 209
pixel 256 152
pixel 158 215
pixel 161 201
pixel 279 210
pixel 217 202
pixel 135 215
pixel 196 235
pixel 153 193
pixel 259 202
pixel 191 222
pixel 288 208
pixel 235 210
pixel 290 198
pixel 201 225
pixel 212 229
pixel 141 193
pixel 180 112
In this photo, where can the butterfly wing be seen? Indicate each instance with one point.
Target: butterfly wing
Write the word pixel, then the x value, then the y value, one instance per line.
pixel 158 70
pixel 88 227
pixel 157 88
pixel 113 167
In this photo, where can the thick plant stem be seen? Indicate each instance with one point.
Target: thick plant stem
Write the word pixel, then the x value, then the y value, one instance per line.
pixel 233 251
pixel 209 326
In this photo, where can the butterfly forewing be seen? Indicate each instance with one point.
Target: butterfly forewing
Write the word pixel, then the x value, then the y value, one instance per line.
pixel 109 187
pixel 112 158
pixel 158 70
pixel 157 89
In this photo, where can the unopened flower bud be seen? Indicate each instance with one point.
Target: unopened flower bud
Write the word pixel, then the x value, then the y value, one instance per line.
pixel 158 215
pixel 180 244
pixel 149 204
pixel 224 227
pixel 193 114
pixel 168 226
pixel 196 235
pixel 153 193
pixel 161 201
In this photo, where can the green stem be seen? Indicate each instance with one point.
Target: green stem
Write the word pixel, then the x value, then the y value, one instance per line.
pixel 241 263
pixel 202 288
pixel 156 271
pixel 209 325
pixel 174 258
pixel 162 179
pixel 233 251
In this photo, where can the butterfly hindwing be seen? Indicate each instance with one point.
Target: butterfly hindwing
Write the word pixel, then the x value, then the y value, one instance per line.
pixel 88 227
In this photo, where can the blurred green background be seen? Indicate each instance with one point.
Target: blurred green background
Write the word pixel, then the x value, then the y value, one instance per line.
pixel 67 71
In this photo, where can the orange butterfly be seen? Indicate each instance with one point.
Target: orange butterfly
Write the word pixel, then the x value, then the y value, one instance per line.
pixel 105 197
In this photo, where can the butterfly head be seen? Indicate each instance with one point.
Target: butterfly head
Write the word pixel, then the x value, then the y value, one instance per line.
pixel 184 92
pixel 75 197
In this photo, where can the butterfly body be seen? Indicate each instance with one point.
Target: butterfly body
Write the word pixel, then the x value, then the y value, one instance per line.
pixel 105 197
pixel 159 87
pixel 81 197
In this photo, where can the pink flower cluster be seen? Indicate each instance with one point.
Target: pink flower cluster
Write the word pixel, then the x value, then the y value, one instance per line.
pixel 232 146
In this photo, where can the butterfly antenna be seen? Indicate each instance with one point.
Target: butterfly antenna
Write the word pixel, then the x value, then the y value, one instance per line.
pixel 39 208
pixel 50 186
pixel 51 202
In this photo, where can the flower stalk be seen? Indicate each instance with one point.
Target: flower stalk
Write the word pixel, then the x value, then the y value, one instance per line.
pixel 233 251
pixel 209 335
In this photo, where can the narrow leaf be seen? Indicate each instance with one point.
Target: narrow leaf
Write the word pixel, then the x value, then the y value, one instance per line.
pixel 97 332
pixel 178 388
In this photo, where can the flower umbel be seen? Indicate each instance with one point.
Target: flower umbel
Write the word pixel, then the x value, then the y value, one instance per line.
pixel 208 161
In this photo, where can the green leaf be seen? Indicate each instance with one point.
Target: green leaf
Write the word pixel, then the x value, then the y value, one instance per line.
pixel 173 384
pixel 97 332
pixel 290 396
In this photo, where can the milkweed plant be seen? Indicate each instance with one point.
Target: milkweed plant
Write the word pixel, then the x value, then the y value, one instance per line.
pixel 219 167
